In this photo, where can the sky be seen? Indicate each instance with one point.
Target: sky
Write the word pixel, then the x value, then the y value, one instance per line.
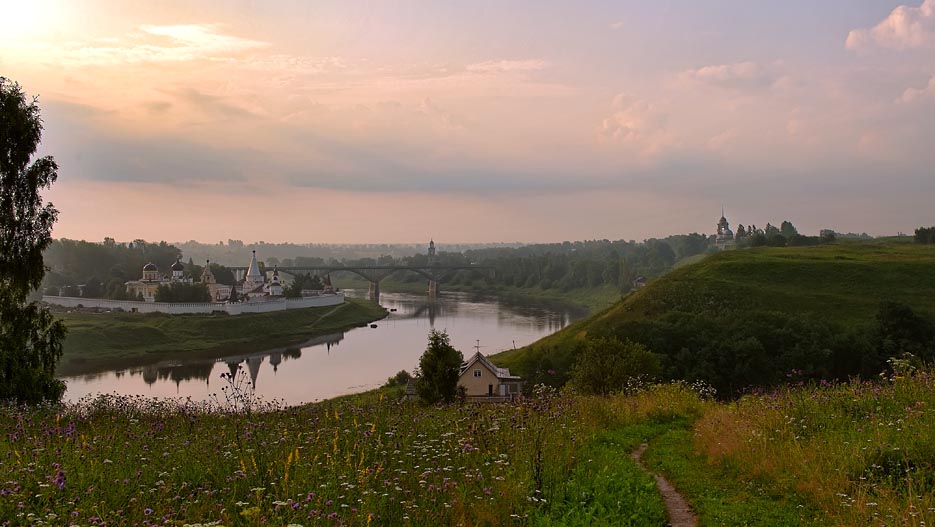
pixel 482 121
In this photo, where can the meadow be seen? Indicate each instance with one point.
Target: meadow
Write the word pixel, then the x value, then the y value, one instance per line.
pixel 851 454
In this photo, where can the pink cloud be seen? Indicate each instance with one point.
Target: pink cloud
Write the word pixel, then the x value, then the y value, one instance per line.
pixel 506 66
pixel 905 27
pixel 914 94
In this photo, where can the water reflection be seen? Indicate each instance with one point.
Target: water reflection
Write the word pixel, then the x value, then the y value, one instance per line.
pixel 339 363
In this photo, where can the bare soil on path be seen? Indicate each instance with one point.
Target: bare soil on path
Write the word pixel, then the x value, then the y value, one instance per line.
pixel 680 513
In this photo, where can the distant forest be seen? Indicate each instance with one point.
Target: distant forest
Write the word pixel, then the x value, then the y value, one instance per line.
pixel 101 269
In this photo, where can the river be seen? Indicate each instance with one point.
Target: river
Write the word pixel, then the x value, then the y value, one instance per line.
pixel 341 363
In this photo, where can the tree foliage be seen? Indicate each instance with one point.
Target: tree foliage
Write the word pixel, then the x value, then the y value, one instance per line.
pixel 303 282
pixel 606 365
pixel 77 262
pixel 182 292
pixel 925 235
pixel 438 370
pixel 30 338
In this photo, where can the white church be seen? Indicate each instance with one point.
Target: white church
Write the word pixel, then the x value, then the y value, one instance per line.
pixel 254 288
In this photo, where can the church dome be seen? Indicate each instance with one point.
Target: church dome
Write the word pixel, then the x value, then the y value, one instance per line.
pixel 177 266
pixel 150 267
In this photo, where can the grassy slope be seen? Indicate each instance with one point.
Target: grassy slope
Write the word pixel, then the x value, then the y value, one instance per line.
pixel 842 283
pixel 96 341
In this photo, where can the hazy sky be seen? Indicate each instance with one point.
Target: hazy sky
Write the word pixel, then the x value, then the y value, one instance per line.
pixel 382 121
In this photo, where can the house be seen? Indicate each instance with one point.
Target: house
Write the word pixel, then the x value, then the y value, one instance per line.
pixel 484 381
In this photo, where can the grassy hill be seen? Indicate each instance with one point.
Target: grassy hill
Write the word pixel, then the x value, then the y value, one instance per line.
pixel 808 301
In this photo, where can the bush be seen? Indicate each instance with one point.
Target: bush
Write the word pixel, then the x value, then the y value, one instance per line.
pixel 605 366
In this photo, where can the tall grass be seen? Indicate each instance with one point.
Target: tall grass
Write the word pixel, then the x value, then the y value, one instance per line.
pixel 862 451
pixel 133 461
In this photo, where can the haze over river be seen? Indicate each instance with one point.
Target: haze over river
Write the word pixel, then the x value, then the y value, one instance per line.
pixel 340 364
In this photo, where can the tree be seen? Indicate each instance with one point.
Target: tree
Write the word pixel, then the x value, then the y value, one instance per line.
pixel 30 337
pixel 925 235
pixel 438 370
pixel 93 288
pixel 900 330
pixel 182 292
pixel 787 229
pixel 603 366
pixel 234 297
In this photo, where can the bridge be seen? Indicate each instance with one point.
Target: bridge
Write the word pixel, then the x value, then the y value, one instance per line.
pixel 377 273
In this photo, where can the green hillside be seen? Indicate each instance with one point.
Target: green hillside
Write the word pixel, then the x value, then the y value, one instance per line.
pixel 751 316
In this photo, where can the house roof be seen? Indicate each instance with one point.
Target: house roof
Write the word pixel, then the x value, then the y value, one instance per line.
pixel 501 373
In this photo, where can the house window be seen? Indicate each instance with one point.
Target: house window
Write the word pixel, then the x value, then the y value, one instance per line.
pixel 477 373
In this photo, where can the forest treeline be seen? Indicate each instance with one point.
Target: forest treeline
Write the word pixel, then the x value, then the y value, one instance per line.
pixel 925 235
pixel 91 269
pixel 101 270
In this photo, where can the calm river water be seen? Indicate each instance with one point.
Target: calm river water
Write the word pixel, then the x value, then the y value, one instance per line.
pixel 342 363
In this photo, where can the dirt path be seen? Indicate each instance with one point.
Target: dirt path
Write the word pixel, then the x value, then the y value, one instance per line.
pixel 680 514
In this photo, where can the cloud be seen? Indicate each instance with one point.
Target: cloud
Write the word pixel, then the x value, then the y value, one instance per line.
pixel 905 27
pixel 150 43
pixel 215 106
pixel 616 26
pixel 739 75
pixel 297 64
pixel 635 122
pixel 444 118
pixel 506 66
pixel 914 94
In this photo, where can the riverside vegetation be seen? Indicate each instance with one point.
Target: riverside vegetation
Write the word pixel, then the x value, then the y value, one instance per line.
pixel 97 341
pixel 849 454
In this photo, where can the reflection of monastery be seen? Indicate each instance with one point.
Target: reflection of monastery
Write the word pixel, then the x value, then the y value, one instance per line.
pixel 250 364
pixel 253 287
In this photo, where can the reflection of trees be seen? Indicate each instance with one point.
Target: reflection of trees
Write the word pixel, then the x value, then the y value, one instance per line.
pixel 176 372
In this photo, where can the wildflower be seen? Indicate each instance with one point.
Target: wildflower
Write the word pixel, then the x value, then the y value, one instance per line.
pixel 60 479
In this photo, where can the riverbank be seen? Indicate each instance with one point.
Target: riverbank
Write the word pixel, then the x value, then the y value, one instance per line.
pixel 101 341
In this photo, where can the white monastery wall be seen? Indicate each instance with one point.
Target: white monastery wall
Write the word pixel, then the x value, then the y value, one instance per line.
pixel 192 308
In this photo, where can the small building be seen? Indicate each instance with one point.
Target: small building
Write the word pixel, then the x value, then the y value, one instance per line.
pixel 484 381
pixel 218 292
pixel 639 282
pixel 724 239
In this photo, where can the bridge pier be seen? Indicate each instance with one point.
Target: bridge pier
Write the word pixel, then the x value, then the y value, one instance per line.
pixel 433 288
pixel 374 292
